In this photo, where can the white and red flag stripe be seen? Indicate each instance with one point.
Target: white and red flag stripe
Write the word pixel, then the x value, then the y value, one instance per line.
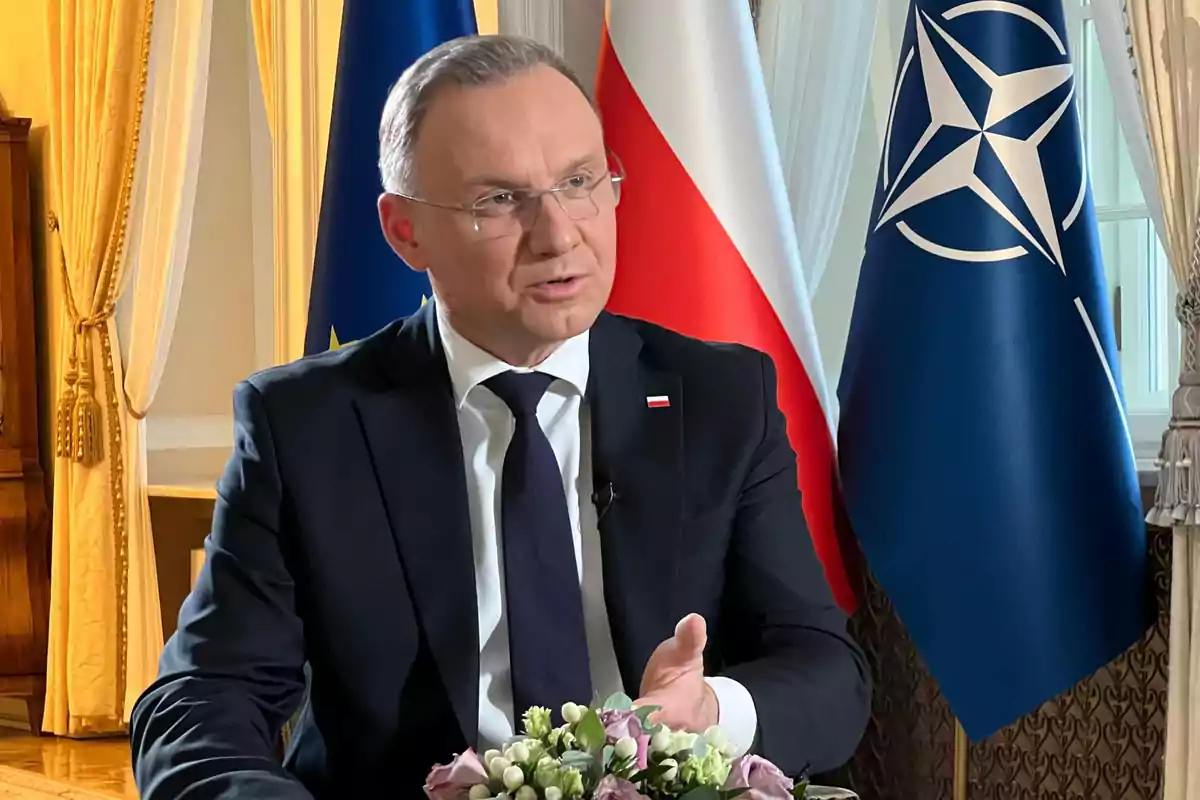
pixel 706 242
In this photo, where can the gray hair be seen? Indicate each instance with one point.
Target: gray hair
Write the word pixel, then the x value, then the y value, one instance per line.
pixel 466 61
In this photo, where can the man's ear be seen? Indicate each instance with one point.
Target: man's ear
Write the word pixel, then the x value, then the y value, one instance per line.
pixel 395 218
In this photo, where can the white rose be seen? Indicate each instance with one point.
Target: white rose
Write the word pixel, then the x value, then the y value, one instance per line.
pixel 518 753
pixel 513 777
pixel 672 768
pixel 553 793
pixel 572 713
pixel 479 792
pixel 526 793
pixel 626 747
pixel 497 767
pixel 660 741
pixel 716 737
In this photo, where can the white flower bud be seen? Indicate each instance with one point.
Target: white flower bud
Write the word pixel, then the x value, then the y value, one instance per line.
pixel 626 747
pixel 479 792
pixel 660 741
pixel 672 769
pixel 513 777
pixel 489 756
pixel 553 793
pixel 716 737
pixel 572 713
pixel 497 767
pixel 518 753
pixel 526 793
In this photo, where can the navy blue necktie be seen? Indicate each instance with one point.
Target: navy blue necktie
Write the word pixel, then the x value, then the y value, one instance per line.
pixel 546 636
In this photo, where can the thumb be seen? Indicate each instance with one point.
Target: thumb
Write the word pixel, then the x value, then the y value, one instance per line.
pixel 691 635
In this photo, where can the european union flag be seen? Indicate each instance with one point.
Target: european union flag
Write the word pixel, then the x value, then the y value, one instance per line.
pixel 986 460
pixel 359 285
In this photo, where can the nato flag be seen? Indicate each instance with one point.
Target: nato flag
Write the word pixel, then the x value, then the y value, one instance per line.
pixel 986 460
pixel 359 285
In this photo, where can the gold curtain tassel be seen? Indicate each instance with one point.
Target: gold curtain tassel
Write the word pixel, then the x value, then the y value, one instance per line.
pixel 89 445
pixel 64 439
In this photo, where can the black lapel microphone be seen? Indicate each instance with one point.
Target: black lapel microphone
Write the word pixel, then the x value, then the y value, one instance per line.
pixel 603 496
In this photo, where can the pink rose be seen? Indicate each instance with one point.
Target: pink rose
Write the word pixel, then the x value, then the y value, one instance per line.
pixel 454 780
pixel 611 787
pixel 643 753
pixel 619 724
pixel 761 777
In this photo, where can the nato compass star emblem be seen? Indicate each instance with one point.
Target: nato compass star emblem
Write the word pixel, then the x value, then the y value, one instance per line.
pixel 1018 155
pixel 1019 158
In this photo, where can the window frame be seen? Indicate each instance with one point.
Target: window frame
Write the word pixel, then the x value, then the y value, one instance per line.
pixel 1148 411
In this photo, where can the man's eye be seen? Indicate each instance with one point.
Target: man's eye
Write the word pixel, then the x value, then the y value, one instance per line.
pixel 577 181
pixel 500 200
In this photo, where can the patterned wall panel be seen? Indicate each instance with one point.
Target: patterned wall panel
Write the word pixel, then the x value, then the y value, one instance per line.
pixel 907 752
pixel 1103 740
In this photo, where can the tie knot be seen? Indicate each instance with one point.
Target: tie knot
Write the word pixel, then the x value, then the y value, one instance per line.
pixel 520 391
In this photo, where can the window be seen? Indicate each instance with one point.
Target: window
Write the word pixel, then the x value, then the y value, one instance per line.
pixel 1136 268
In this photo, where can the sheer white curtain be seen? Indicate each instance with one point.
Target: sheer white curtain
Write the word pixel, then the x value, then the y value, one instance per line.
pixel 1113 34
pixel 571 27
pixel 542 20
pixel 1151 51
pixel 160 221
pixel 816 58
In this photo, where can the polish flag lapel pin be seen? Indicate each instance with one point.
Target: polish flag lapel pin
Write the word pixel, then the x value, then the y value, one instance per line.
pixel 658 401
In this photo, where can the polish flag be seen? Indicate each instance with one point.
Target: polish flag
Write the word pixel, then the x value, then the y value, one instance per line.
pixel 707 245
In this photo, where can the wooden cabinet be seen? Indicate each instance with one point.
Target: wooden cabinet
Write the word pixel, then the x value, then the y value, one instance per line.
pixel 24 522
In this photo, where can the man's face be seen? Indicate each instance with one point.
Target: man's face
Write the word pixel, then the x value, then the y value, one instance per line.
pixel 515 288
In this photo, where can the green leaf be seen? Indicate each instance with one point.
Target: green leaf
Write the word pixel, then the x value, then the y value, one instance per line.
pixel 650 773
pixel 618 702
pixel 609 751
pixel 643 713
pixel 729 794
pixel 589 732
pixel 702 793
pixel 800 791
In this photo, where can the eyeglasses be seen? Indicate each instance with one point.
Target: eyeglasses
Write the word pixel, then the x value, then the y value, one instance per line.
pixel 506 212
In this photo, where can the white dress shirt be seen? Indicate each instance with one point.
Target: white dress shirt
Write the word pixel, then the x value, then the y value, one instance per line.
pixel 486 427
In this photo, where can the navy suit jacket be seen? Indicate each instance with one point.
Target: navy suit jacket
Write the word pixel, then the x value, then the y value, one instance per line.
pixel 340 558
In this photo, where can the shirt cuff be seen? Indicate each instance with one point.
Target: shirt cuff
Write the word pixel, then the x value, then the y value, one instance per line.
pixel 735 713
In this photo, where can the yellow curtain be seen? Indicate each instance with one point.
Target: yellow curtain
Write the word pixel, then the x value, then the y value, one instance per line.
pixel 296 45
pixel 262 16
pixel 98 53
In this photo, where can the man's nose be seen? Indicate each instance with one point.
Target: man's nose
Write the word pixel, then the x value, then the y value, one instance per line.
pixel 553 232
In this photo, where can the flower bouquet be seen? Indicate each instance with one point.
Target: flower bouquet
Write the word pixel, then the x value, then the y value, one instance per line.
pixel 610 753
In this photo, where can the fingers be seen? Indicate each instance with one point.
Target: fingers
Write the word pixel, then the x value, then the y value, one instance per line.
pixel 691 635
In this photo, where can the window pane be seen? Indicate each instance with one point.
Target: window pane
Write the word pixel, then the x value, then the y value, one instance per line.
pixel 1149 342
pixel 1114 183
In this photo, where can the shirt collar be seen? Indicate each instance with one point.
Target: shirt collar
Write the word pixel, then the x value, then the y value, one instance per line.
pixel 470 365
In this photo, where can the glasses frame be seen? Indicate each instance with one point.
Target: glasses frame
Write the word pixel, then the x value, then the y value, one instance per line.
pixel 615 176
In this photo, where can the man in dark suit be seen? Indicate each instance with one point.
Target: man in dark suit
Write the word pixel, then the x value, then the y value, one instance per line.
pixel 510 498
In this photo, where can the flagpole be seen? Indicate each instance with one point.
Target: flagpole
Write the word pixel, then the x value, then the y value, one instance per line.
pixel 960 761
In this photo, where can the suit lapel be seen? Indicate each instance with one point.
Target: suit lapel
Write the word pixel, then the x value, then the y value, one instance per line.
pixel 639 449
pixel 412 433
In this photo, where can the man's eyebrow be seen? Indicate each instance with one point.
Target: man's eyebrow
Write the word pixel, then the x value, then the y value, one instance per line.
pixel 497 182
